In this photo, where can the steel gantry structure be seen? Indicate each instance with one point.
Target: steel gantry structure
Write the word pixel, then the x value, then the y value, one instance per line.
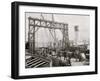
pixel 36 23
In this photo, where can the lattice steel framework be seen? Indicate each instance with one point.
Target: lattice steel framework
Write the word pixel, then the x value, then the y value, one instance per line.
pixel 35 24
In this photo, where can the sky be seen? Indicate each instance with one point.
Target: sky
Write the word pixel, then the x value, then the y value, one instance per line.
pixel 43 35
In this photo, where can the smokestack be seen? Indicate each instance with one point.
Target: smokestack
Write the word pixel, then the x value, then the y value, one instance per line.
pixel 76 28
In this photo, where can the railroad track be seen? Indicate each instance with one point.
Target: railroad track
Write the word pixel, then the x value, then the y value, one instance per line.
pixel 35 61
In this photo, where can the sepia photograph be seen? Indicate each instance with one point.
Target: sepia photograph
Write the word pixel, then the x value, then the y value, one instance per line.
pixel 56 40
pixel 50 40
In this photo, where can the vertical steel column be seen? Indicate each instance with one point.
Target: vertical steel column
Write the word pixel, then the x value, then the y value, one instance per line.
pixel 33 49
pixel 65 41
pixel 31 36
pixel 66 37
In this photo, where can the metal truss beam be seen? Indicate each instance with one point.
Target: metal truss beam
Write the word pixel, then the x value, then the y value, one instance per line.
pixel 46 23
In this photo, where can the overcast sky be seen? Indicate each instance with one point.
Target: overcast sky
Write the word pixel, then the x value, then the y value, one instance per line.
pixel 43 34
